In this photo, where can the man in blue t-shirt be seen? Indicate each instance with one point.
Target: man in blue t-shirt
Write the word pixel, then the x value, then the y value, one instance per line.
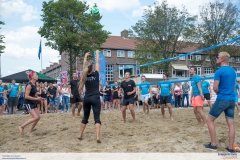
pixel 145 90
pixel 1 98
pixel 13 97
pixel 166 90
pixel 206 89
pixel 236 90
pixel 197 97
pixel 224 80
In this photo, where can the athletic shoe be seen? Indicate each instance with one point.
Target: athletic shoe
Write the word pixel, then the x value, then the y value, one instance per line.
pixel 62 112
pixel 229 150
pixel 210 147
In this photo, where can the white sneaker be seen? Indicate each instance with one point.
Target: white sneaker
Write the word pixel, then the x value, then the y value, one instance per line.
pixel 62 112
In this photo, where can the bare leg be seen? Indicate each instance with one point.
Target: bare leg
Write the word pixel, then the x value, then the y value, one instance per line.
pixel 34 123
pixel 238 108
pixel 97 128
pixel 118 104
pixel 51 106
pixel 73 110
pixel 170 110
pixel 124 108
pixel 35 118
pixel 209 104
pixel 79 108
pixel 231 132
pixel 162 110
pixel 132 111
pixel 147 106
pixel 203 117
pixel 212 130
pixel 82 128
pixel 198 117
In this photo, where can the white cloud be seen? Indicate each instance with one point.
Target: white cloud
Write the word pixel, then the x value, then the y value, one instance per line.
pixel 21 51
pixel 192 8
pixel 139 12
pixel 18 7
pixel 111 5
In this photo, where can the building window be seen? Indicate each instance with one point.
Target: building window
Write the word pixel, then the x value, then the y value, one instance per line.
pixel 238 70
pixel 178 73
pixel 120 53
pixel 181 58
pixel 198 57
pixel 232 59
pixel 199 70
pixel 130 54
pixel 160 71
pixel 109 75
pixel 190 57
pixel 125 68
pixel 207 58
pixel 208 70
pixel 107 53
pixel 237 59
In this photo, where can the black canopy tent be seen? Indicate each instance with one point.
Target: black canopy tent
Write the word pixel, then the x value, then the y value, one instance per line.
pixel 21 77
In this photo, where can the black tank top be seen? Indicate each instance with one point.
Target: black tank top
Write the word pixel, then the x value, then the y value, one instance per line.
pixel 32 94
pixel 92 84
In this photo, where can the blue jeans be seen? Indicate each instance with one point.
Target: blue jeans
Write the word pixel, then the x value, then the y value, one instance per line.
pixel 65 101
pixel 177 100
pixel 183 98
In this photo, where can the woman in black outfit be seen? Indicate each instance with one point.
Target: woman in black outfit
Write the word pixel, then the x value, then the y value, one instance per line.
pixel 116 99
pixel 29 103
pixel 90 79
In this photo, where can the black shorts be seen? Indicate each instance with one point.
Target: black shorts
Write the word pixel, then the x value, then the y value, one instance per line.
pixel 115 97
pixel 207 96
pixel 127 101
pixel 75 99
pixel 12 101
pixel 164 99
pixel 29 107
pixel 136 98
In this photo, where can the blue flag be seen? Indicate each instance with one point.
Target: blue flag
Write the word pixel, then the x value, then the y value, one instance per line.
pixel 40 50
pixel 102 64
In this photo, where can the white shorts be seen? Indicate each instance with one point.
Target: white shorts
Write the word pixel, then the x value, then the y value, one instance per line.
pixel 144 97
pixel 101 99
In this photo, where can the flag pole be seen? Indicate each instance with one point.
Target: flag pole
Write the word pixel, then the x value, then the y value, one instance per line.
pixel 41 54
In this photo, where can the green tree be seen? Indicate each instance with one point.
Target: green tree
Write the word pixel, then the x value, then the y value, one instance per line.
pixel 69 27
pixel 1 40
pixel 218 22
pixel 160 34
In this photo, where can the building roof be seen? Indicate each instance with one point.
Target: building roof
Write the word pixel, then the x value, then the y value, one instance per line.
pixel 118 42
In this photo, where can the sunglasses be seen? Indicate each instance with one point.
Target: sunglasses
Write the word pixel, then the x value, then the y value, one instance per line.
pixel 217 57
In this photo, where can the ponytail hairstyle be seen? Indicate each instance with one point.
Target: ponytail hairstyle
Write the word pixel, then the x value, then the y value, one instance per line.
pixel 87 68
pixel 30 75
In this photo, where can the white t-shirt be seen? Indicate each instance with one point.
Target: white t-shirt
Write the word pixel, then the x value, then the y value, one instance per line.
pixel 65 90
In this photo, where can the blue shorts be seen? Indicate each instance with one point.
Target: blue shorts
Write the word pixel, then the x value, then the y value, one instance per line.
pixel 54 101
pixel 1 101
pixel 107 98
pixel 226 106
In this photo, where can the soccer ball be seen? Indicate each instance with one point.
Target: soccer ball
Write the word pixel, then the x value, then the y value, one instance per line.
pixel 94 10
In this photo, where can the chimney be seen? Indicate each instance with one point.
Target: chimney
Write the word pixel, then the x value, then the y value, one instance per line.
pixel 124 33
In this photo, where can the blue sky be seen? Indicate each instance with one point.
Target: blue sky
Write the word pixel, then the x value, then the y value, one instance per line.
pixel 22 20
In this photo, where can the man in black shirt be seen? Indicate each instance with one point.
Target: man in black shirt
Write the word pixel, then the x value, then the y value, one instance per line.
pixel 52 92
pixel 129 88
pixel 107 96
pixel 75 96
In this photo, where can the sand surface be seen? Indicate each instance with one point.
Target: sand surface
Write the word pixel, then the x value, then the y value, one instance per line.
pixel 151 133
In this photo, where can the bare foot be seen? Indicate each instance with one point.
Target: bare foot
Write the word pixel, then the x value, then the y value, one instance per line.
pixel 78 114
pixel 124 121
pixel 163 116
pixel 73 117
pixel 98 141
pixel 171 118
pixel 80 137
pixel 20 128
